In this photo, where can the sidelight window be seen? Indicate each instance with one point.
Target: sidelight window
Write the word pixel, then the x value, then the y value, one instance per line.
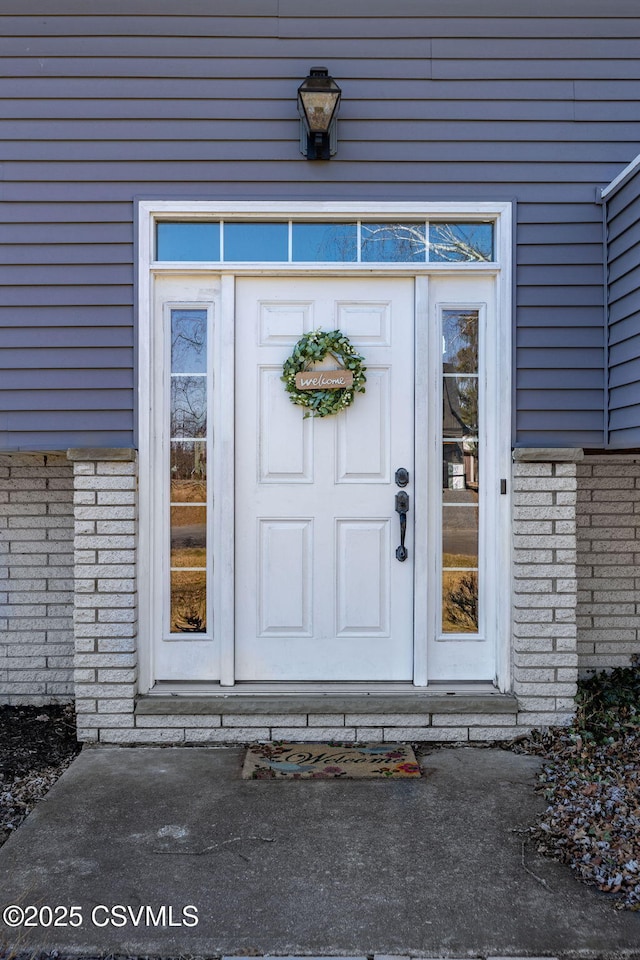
pixel 460 471
pixel 188 472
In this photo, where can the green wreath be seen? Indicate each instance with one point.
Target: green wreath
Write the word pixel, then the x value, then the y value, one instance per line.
pixel 310 349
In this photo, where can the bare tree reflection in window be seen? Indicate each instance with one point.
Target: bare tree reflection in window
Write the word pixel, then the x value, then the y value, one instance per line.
pixel 394 242
pixel 188 341
pixel 188 407
pixel 460 341
pixel 188 472
pixel 447 242
pixel 455 242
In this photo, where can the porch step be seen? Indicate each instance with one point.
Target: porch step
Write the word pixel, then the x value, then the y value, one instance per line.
pixel 379 704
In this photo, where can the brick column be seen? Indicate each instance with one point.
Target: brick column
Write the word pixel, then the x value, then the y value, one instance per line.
pixel 545 661
pixel 36 567
pixel 608 561
pixel 105 607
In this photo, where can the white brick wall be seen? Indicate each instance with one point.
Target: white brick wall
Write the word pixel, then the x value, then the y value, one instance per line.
pixel 307 727
pixel 608 516
pixel 105 604
pixel 544 591
pixel 36 571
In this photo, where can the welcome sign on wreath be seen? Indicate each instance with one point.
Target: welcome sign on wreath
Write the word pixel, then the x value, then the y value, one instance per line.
pixel 323 392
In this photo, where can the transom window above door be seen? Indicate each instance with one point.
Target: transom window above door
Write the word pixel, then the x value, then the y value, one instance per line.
pixel 359 241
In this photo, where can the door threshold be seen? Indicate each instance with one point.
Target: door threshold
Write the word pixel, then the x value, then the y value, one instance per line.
pixel 190 688
pixel 393 699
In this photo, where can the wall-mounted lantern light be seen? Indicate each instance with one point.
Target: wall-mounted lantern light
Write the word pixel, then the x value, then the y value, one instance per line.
pixel 318 103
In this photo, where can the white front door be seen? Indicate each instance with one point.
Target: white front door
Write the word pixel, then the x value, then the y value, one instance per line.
pixel 320 594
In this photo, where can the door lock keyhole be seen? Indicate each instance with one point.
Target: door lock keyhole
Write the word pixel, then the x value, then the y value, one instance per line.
pixel 402 477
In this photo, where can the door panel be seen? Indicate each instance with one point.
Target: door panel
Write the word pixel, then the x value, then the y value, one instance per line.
pixel 284 577
pixel 358 460
pixel 285 450
pixel 320 594
pixel 362 577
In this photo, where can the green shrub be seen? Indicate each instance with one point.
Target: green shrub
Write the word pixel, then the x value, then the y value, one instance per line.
pixel 608 704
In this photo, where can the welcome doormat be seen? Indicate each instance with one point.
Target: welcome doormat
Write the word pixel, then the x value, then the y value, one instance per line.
pixel 326 761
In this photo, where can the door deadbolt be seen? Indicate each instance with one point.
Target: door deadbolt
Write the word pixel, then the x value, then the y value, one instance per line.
pixel 402 477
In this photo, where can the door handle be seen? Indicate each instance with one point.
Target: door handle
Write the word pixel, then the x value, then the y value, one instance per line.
pixel 402 506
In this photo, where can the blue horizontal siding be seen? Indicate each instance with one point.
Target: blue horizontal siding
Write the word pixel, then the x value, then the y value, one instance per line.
pixel 556 336
pixel 555 385
pixel 625 373
pixel 92 134
pixel 543 399
pixel 88 399
pixel 625 418
pixel 56 317
pixel 64 357
pixel 623 293
pixel 69 338
pixel 624 329
pixel 625 351
pixel 59 382
pixel 197 101
pixel 626 396
pixel 54 439
pixel 66 294
pixel 623 282
pixel 626 439
pixel 621 308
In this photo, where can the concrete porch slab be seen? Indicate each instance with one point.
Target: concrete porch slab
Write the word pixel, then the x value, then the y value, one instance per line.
pixel 430 868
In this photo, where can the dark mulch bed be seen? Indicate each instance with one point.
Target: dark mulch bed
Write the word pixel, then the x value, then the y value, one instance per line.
pixel 36 745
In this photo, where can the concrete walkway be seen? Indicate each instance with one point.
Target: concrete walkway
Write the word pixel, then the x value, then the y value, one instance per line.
pixel 431 868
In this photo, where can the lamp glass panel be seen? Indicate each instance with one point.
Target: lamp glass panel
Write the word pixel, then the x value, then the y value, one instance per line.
pixel 319 107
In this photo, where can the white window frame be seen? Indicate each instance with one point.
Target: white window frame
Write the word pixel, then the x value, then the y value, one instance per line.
pixel 499 363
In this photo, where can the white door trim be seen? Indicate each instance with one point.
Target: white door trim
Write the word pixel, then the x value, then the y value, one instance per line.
pixel 149 212
pixel 223 478
pixel 420 485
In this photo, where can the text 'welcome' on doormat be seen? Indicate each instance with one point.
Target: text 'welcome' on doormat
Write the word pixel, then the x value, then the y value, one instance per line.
pixel 325 761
